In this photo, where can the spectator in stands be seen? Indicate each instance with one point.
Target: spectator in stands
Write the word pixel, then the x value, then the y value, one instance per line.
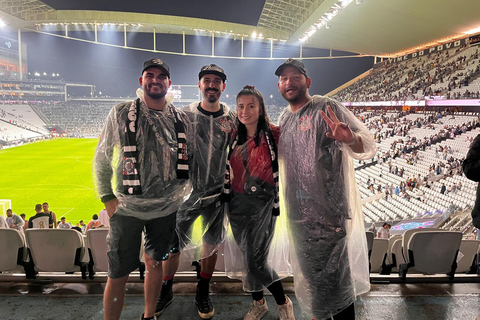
pixel 384 232
pixel 443 188
pixel 25 222
pixel 104 218
pixel 64 224
pixel 39 214
pixel 471 168
pixel 14 221
pixel 82 226
pixel 318 138
pixel 212 126
pixel 94 223
pixel 143 147
pixel 372 229
pixel 51 213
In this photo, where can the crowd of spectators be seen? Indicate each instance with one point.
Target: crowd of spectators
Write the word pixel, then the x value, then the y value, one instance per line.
pixel 45 218
pixel 437 75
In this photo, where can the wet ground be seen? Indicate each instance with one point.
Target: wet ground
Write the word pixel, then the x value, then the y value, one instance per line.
pixel 72 298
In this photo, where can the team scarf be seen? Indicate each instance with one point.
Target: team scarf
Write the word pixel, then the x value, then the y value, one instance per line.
pixel 227 195
pixel 131 176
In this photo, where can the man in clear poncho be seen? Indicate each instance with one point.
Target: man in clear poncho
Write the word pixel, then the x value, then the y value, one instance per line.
pixel 212 124
pixel 318 137
pixel 141 174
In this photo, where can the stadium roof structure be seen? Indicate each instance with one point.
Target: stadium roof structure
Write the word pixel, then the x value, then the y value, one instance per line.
pixel 368 27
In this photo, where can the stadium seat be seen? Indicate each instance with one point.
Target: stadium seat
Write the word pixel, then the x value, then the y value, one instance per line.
pixel 370 236
pixel 406 238
pixel 97 250
pixel 56 250
pixel 394 255
pixel 431 252
pixel 377 257
pixel 14 253
pixel 468 261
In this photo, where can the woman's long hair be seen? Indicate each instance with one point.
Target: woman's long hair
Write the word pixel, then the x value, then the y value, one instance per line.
pixel 263 120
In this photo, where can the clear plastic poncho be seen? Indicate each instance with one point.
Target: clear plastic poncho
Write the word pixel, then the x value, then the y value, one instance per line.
pixel 201 218
pixel 256 250
pixel 328 248
pixel 162 193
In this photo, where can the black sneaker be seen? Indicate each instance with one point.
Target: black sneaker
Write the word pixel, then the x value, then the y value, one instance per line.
pixel 204 305
pixel 166 298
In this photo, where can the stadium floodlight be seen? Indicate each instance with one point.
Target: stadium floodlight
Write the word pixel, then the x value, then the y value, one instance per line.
pixel 473 31
pixel 327 16
pixel 2 23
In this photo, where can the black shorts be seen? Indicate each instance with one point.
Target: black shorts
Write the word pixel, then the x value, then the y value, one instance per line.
pixel 212 213
pixel 125 238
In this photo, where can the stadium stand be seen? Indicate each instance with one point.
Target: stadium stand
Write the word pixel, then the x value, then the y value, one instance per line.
pixel 449 74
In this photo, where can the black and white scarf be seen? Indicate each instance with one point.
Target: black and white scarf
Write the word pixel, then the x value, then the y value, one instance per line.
pixel 226 194
pixel 131 176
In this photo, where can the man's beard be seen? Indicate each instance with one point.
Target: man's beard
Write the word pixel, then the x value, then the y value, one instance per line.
pixel 296 98
pixel 156 95
pixel 211 98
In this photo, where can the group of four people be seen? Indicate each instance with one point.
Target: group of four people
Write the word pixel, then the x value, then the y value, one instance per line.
pixel 157 169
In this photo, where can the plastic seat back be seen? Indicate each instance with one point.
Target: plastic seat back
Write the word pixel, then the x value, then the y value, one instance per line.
pixel 98 247
pixel 468 251
pixel 12 244
pixel 55 250
pixel 370 236
pixel 434 251
pixel 379 251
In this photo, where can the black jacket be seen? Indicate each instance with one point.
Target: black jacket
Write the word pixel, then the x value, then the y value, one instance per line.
pixel 471 168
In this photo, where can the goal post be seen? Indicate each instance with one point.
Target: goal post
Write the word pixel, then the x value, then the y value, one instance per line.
pixel 4 205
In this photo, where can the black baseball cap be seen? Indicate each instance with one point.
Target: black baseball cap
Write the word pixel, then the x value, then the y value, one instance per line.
pixel 212 69
pixel 294 63
pixel 156 63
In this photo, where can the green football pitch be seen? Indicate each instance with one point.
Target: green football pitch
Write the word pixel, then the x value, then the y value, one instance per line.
pixel 56 171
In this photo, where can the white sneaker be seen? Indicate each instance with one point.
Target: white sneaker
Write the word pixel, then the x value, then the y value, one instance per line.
pixel 285 311
pixel 257 310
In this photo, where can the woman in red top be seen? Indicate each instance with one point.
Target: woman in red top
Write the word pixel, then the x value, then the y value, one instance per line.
pixel 252 187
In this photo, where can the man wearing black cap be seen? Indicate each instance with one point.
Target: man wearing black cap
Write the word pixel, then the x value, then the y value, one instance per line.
pixel 212 124
pixel 142 152
pixel 319 136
